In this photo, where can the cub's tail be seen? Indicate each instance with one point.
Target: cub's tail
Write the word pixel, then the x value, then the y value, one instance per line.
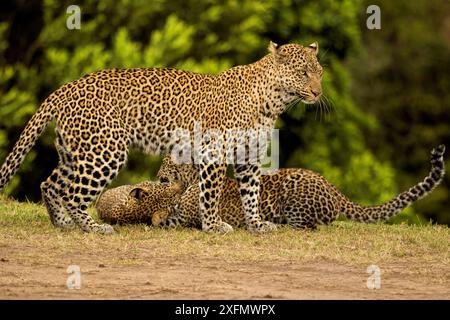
pixel 27 139
pixel 382 212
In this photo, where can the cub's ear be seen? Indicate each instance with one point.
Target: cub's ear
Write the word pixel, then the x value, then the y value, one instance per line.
pixel 315 47
pixel 137 193
pixel 274 50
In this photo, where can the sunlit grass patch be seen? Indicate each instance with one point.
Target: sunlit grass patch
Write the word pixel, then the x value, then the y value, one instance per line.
pixel 343 241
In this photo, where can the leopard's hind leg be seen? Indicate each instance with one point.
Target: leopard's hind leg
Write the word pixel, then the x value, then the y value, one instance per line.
pixel 87 181
pixel 94 159
pixel 51 195
pixel 52 188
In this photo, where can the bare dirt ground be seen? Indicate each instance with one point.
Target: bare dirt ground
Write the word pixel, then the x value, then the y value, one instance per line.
pixel 206 277
pixel 140 262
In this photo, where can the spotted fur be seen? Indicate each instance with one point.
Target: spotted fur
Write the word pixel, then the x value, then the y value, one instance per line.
pixel 298 197
pixel 147 202
pixel 100 116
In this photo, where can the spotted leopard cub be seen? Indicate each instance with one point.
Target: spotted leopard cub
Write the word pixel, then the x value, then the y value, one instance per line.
pixel 297 197
pixel 147 202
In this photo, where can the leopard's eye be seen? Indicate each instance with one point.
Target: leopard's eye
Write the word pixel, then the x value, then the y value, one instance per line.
pixel 164 180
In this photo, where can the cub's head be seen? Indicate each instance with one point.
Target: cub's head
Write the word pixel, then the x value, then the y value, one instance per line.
pixel 170 171
pixel 298 71
pixel 154 200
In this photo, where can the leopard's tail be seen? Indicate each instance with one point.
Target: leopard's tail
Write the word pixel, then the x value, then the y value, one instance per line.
pixel 382 212
pixel 27 139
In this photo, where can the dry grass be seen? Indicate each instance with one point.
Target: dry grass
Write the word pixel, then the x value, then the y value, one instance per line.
pixel 343 242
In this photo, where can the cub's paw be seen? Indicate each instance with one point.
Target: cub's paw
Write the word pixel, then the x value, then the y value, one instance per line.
pixel 159 218
pixel 263 227
pixel 219 228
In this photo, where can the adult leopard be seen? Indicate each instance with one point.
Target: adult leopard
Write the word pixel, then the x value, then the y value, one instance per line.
pixel 101 115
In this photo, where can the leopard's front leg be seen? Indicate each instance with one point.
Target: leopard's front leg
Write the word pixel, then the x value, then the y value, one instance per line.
pixel 211 183
pixel 247 176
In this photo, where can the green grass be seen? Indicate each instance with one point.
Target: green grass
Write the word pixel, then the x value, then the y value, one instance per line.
pixel 28 227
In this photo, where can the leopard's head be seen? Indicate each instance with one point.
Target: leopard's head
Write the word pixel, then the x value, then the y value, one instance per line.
pixel 171 171
pixel 297 70
pixel 154 200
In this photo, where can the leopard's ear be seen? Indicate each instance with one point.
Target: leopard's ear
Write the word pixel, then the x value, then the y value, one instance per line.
pixel 272 47
pixel 274 50
pixel 314 47
pixel 137 193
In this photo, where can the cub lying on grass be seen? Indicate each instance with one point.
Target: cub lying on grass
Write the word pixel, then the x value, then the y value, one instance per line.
pixel 297 197
pixel 126 204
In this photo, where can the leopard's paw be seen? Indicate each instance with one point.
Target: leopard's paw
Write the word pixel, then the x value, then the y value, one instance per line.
pixel 263 227
pixel 66 223
pixel 219 228
pixel 103 229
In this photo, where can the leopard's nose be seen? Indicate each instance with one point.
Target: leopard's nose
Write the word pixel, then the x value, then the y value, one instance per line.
pixel 316 92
